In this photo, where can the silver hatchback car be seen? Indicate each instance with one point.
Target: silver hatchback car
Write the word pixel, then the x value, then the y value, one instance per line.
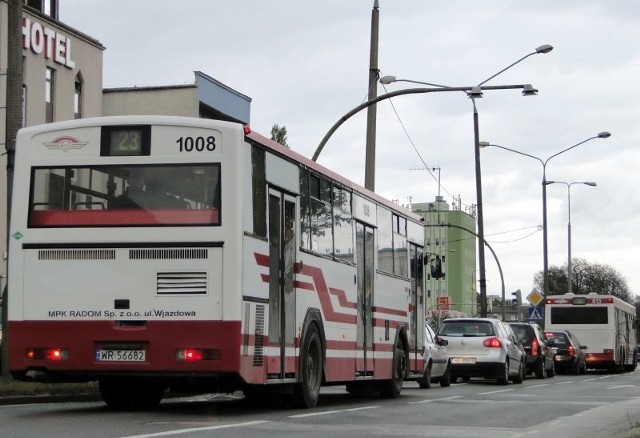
pixel 437 367
pixel 483 347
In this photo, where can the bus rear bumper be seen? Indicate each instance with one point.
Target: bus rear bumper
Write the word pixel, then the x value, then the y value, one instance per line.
pixel 85 350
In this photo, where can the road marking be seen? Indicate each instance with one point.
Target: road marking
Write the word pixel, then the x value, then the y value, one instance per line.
pixel 196 429
pixel 537 386
pixel 563 383
pixel 495 392
pixel 621 386
pixel 435 400
pixel 316 414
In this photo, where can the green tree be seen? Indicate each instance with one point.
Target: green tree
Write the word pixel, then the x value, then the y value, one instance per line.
pixel 279 134
pixel 586 278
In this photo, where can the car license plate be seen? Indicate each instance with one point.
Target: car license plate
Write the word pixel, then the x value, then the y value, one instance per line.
pixel 463 360
pixel 120 355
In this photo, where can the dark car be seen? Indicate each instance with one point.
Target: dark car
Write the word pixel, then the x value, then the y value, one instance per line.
pixel 539 354
pixel 569 354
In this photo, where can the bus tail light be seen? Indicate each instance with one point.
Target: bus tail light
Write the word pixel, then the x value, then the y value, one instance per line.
pixel 492 343
pixel 54 354
pixel 197 354
pixel 535 347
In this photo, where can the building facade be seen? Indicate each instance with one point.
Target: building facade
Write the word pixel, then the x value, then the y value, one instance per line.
pixel 455 292
pixel 62 78
pixel 205 98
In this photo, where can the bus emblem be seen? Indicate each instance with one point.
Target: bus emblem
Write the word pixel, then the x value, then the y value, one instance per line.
pixel 65 144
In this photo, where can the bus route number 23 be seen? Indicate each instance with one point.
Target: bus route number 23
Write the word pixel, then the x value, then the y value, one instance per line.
pixel 199 144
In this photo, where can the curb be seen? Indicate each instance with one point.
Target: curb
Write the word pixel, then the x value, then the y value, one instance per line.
pixel 63 398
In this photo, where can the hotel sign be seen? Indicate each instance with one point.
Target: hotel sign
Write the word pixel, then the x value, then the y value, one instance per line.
pixel 45 41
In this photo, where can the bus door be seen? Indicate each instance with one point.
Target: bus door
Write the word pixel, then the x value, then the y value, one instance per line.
pixel 365 251
pixel 416 304
pixel 282 303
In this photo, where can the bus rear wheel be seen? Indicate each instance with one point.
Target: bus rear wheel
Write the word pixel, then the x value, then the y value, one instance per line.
pixel 391 388
pixel 307 391
pixel 124 393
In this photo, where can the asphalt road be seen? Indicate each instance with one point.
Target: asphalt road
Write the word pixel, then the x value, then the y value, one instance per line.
pixel 593 405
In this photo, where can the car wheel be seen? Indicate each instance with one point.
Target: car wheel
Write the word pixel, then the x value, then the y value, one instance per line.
pixel 425 381
pixel 576 369
pixel 520 377
pixel 583 368
pixel 552 371
pixel 540 371
pixel 445 380
pixel 503 379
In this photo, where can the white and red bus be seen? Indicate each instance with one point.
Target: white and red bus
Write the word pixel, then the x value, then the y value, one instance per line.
pixel 155 253
pixel 604 323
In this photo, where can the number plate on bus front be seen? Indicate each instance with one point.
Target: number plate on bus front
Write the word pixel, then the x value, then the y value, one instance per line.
pixel 463 360
pixel 120 355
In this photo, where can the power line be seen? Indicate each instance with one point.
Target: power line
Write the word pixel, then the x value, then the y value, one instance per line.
pixel 426 166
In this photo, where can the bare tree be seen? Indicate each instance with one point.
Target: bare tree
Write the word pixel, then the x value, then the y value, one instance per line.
pixel 586 278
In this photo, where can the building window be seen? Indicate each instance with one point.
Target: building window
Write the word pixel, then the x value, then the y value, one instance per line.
pixel 259 185
pixel 50 82
pixel 46 7
pixel 77 97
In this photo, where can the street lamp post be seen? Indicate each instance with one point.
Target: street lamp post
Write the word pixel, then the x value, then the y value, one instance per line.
pixel 473 94
pixel 527 90
pixel 588 183
pixel 545 257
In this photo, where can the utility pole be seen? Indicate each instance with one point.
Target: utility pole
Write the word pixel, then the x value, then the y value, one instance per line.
pixel 13 123
pixel 370 158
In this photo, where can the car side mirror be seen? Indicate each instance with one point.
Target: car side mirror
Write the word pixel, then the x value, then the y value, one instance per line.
pixel 583 347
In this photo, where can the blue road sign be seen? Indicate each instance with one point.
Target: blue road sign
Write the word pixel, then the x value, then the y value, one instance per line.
pixel 536 313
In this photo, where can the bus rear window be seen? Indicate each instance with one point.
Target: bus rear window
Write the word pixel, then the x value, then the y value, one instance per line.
pixel 579 315
pixel 149 195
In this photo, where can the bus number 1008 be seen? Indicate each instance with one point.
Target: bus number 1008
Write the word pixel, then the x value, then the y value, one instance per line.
pixel 199 144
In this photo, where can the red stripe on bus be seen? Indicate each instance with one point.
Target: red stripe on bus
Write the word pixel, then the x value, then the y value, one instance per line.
pixel 303 285
pixel 342 298
pixel 181 216
pixel 323 294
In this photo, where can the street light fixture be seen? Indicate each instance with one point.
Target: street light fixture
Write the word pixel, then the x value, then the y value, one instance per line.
pixel 545 258
pixel 473 94
pixel 527 91
pixel 588 183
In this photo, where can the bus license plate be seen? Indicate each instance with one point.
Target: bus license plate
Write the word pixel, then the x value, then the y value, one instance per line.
pixel 120 355
pixel 463 360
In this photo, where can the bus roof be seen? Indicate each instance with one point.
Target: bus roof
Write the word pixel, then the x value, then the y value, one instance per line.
pixel 283 150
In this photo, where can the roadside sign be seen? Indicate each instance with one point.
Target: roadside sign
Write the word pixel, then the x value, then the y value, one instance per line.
pixel 535 297
pixel 536 314
pixel 443 303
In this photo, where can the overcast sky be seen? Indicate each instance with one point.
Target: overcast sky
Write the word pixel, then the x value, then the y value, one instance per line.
pixel 305 64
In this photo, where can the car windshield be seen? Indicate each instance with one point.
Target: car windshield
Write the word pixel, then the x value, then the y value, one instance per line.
pixel 523 332
pixel 558 339
pixel 466 328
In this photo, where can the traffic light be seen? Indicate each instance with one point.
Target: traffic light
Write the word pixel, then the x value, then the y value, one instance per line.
pixel 517 301
pixel 436 268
